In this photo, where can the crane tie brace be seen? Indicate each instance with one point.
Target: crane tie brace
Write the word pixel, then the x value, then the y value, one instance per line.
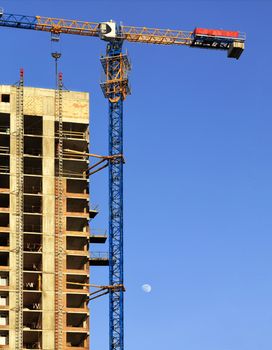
pixel 102 290
pixel 108 159
pixel 116 88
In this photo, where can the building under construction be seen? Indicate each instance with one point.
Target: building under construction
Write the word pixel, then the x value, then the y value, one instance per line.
pixel 44 219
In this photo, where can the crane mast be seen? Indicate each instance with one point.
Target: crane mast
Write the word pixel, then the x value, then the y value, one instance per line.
pixel 115 87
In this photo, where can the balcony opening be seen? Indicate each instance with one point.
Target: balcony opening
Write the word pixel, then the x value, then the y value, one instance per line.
pixel 76 224
pixel 4 181
pixel 4 300
pixel 32 185
pixel 80 146
pixel 32 223
pixel 77 243
pixel 4 321
pixel 32 339
pixel 33 125
pixel 32 320
pixel 4 259
pixel 4 123
pixel 32 243
pixel 4 164
pixel 32 301
pixel 33 146
pixel 32 281
pixel 4 220
pixel 74 262
pixel 32 261
pixel 77 301
pixel 77 205
pixel 32 166
pixel 5 144
pixel 76 281
pixel 72 168
pixel 33 204
pixel 76 340
pixel 73 130
pixel 77 186
pixel 4 200
pixel 4 279
pixel 4 239
pixel 76 320
pixel 4 338
pixel 5 98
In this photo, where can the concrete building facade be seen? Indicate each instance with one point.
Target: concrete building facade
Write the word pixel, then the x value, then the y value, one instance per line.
pixel 40 171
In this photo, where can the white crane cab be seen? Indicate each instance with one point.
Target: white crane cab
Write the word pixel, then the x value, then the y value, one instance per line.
pixel 108 30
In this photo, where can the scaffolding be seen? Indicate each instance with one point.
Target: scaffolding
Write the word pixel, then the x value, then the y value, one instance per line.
pixel 59 252
pixel 19 209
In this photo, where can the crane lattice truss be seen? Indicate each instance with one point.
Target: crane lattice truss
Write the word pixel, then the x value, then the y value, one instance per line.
pixel 115 88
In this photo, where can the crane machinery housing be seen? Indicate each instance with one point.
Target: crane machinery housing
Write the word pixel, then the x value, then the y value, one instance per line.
pixel 116 66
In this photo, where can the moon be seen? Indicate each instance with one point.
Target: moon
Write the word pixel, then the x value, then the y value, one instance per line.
pixel 146 288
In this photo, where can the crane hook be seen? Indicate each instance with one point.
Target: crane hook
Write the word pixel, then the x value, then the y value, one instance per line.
pixel 55 52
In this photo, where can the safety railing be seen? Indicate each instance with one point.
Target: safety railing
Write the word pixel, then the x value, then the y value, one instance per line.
pixel 94 207
pixel 5 129
pixel 76 285
pixel 98 232
pixel 32 228
pixel 36 267
pixel 99 255
pixel 32 325
pixel 33 132
pixel 31 286
pixel 33 189
pixel 32 209
pixel 33 171
pixel 33 152
pixel 4 149
pixel 73 174
pixel 69 134
pixel 32 247
pixel 4 169
pixel 69 155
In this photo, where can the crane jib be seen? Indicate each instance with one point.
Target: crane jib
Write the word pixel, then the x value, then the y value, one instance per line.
pixel 231 41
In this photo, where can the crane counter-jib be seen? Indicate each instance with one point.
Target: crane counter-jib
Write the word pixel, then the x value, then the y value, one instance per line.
pixel 48 24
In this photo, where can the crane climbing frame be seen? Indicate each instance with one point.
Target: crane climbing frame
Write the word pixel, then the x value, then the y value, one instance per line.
pixel 116 87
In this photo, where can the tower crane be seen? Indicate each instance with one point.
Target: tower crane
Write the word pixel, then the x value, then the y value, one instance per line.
pixel 116 66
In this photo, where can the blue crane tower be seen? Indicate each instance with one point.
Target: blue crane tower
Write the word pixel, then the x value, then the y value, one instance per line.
pixel 115 88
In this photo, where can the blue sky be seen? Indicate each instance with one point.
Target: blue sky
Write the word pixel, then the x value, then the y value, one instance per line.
pixel 198 174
